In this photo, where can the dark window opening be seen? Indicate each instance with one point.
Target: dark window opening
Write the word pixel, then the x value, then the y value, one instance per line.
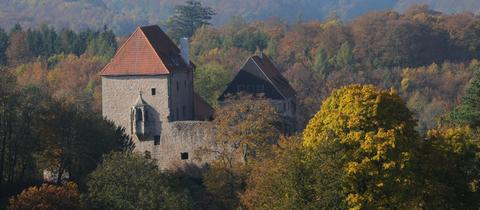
pixel 184 155
pixel 156 140
pixel 139 114
pixel 154 91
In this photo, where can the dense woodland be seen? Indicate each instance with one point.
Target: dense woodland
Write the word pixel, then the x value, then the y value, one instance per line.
pixel 124 15
pixel 404 136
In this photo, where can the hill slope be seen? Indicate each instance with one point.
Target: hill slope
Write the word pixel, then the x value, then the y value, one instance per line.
pixel 124 15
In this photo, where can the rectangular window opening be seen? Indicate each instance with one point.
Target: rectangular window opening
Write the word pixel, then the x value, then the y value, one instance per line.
pixel 184 155
pixel 156 140
pixel 154 91
pixel 184 111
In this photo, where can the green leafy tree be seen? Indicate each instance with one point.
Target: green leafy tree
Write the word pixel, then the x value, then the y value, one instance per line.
pixel 344 57
pixel 132 181
pixel 210 81
pixel 76 140
pixel 468 112
pixel 188 18
pixel 320 64
pixel 373 131
pixel 103 46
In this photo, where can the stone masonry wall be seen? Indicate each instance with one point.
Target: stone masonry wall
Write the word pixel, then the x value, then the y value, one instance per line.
pixel 119 94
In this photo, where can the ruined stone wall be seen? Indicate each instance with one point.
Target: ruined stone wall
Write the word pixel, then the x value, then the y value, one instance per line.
pixel 182 137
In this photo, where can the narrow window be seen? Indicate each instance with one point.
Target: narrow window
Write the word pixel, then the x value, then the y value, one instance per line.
pixel 139 114
pixel 156 140
pixel 184 155
pixel 154 91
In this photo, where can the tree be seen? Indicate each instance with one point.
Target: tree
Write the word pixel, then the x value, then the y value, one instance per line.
pixel 132 181
pixel 320 64
pixel 48 197
pixel 210 80
pixel 188 18
pixel 373 132
pixel 18 51
pixel 468 112
pixel 451 160
pixel 3 46
pixel 344 57
pixel 76 140
pixel 103 46
pixel 245 128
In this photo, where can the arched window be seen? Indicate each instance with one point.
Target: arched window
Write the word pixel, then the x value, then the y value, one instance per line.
pixel 138 113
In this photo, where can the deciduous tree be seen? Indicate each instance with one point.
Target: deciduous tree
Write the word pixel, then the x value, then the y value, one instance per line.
pixel 48 197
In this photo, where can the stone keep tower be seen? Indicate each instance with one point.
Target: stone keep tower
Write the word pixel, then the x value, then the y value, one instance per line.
pixel 147 88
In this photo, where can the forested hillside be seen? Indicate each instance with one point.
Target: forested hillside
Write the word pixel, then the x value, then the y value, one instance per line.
pixel 387 108
pixel 123 15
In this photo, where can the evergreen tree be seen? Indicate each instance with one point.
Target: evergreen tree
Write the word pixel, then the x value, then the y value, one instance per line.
pixel 3 46
pixel 344 58
pixel 320 64
pixel 468 112
pixel 188 18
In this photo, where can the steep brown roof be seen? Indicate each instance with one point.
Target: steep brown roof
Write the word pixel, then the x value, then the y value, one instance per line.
pixel 148 51
pixel 271 72
pixel 203 111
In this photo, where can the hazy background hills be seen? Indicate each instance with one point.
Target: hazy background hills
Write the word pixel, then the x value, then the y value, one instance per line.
pixel 123 15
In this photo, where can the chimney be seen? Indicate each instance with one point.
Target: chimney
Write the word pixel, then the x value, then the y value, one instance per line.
pixel 184 50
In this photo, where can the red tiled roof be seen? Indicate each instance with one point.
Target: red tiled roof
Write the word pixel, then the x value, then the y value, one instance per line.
pixel 148 51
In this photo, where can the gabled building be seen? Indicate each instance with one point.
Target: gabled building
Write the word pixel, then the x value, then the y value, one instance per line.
pixel 147 88
pixel 259 76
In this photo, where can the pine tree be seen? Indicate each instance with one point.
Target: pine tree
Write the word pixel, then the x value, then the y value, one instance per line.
pixel 344 58
pixel 3 46
pixel 188 18
pixel 468 112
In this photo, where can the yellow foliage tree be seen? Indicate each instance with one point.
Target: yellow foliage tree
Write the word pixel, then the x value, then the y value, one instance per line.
pixel 378 145
pixel 452 160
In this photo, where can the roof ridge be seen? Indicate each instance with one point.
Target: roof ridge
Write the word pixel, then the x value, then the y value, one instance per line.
pixel 152 47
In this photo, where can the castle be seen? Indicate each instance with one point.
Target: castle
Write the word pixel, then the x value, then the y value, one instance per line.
pixel 147 88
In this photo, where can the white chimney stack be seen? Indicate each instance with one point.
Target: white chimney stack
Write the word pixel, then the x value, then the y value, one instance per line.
pixel 184 50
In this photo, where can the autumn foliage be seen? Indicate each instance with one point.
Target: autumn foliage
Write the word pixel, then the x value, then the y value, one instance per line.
pixel 48 197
